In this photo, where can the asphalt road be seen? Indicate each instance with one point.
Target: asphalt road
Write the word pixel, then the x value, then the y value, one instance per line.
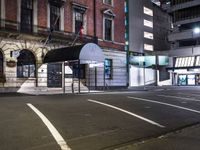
pixel 99 121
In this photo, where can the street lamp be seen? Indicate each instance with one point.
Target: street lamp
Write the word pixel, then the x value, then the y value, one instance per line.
pixel 196 30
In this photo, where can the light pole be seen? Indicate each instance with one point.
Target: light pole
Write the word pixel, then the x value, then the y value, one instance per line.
pixel 196 31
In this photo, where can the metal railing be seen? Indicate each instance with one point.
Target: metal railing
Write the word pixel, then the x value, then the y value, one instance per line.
pixel 15 28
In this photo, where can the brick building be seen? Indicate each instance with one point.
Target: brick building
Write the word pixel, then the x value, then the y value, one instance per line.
pixel 30 29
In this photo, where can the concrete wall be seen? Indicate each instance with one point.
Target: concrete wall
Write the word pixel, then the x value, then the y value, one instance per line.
pixel 136 24
pixel 141 76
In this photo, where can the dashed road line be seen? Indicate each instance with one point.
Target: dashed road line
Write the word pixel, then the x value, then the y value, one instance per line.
pixel 127 112
pixel 167 104
pixel 59 139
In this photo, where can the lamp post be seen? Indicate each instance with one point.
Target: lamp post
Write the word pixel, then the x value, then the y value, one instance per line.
pixel 196 31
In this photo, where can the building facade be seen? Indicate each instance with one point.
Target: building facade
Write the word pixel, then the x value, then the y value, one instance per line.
pixel 32 28
pixel 184 38
pixel 148 27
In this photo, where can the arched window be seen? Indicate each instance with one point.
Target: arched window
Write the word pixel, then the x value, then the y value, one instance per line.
pixel 26 64
pixel 1 64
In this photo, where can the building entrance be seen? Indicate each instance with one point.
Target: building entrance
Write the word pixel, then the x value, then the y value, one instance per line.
pixel 54 75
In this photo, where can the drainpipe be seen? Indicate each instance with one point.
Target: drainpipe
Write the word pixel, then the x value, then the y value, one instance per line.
pixel 95 39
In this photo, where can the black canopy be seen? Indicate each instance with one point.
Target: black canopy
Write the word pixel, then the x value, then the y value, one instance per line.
pixel 86 53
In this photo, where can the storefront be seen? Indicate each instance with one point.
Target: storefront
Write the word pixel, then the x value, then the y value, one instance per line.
pixel 186 71
pixel 188 79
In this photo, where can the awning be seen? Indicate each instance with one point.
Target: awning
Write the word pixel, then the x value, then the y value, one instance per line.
pixel 86 53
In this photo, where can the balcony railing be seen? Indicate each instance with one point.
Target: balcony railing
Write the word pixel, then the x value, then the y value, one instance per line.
pixel 16 29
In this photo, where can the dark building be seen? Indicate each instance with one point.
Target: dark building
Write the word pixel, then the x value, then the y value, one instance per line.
pixel 147 29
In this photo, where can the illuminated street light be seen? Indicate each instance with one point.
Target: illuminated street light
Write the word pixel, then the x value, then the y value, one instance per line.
pixel 196 30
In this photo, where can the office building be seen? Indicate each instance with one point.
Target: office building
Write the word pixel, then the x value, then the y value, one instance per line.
pixel 184 39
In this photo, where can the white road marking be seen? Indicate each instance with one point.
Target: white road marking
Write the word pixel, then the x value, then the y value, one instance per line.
pixel 178 97
pixel 176 106
pixel 111 93
pixel 59 139
pixel 127 112
pixel 189 94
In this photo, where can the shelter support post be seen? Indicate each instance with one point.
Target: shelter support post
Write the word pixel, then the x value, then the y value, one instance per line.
pixel 104 78
pixel 89 79
pixel 79 76
pixel 95 78
pixel 63 76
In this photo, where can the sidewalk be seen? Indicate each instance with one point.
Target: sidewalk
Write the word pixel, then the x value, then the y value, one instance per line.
pixel 53 91
pixel 185 139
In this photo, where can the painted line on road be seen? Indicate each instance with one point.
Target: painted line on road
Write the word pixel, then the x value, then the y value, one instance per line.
pixel 59 139
pixel 189 94
pixel 167 104
pixel 111 93
pixel 127 112
pixel 178 97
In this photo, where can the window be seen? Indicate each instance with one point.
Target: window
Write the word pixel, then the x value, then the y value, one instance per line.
pixel 148 35
pixel 79 18
pixel 108 29
pixel 148 47
pixel 108 25
pixel 1 64
pixel 108 68
pixel 148 11
pixel 54 17
pixel 185 61
pixel 26 64
pixel 26 15
pixel 78 21
pixel 109 2
pixel 197 61
pixel 148 23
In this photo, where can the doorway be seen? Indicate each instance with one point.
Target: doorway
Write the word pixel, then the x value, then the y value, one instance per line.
pixel 54 75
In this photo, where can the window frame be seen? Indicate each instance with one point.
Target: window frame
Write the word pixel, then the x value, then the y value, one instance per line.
pixel 76 29
pixel 147 11
pixel 80 9
pixel 110 4
pixel 1 64
pixel 23 69
pixel 57 26
pixel 148 47
pixel 26 12
pixel 112 28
